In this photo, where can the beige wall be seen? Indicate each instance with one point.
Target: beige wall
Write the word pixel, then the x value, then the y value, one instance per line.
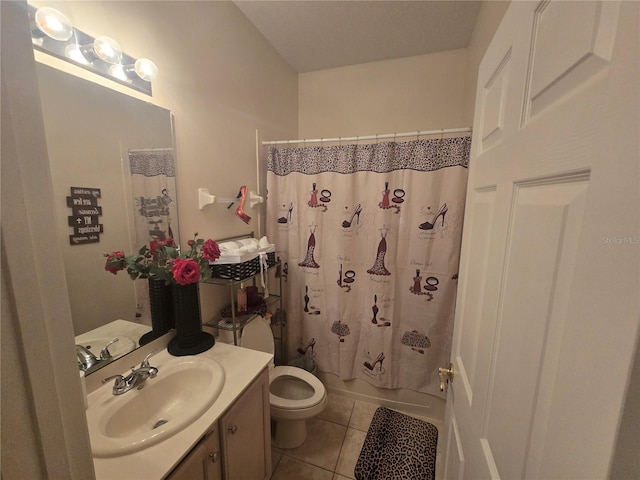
pixel 425 92
pixel 416 93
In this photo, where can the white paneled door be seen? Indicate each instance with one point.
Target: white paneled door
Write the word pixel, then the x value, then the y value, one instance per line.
pixel 548 308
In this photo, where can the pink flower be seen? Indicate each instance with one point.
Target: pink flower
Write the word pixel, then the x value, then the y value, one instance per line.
pixel 210 250
pixel 185 271
pixel 114 262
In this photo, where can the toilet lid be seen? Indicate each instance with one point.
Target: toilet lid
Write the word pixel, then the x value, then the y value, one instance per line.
pixel 257 335
pixel 311 380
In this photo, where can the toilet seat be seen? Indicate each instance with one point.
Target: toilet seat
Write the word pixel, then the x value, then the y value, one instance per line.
pixel 300 374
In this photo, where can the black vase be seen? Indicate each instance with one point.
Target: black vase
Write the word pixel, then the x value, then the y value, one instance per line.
pixel 189 339
pixel 161 308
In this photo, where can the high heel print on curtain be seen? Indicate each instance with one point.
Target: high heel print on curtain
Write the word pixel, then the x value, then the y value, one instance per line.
pixel 287 219
pixel 378 266
pixel 309 261
pixel 441 213
pixel 310 344
pixel 356 212
pixel 379 360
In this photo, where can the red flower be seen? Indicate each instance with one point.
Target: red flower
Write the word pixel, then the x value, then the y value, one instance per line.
pixel 115 262
pixel 185 271
pixel 211 250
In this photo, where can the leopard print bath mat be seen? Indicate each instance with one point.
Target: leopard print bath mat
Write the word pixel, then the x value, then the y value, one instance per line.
pixel 397 447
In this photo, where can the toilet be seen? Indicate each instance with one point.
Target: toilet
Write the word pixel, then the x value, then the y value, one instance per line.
pixel 295 394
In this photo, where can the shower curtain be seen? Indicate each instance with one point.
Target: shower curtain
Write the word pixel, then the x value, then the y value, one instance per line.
pixel 369 236
pixel 155 210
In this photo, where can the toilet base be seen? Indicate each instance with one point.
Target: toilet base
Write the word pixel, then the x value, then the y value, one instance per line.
pixel 289 433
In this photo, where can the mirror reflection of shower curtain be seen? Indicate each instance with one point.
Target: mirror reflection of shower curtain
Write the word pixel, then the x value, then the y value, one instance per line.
pixel 371 238
pixel 153 185
pixel 155 207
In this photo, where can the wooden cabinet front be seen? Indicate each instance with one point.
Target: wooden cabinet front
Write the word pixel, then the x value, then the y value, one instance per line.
pixel 204 462
pixel 245 432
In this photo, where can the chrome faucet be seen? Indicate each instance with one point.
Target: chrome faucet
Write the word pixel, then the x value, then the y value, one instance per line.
pixel 104 353
pixel 136 379
pixel 86 359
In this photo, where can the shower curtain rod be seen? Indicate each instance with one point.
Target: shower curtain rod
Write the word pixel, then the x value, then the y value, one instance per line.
pixel 372 137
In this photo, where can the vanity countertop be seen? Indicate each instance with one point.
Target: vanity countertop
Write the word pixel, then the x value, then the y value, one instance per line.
pixel 241 367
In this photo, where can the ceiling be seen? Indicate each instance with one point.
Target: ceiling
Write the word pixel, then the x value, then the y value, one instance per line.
pixel 314 35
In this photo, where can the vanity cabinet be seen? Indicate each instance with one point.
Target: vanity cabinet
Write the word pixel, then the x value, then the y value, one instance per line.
pixel 245 433
pixel 238 446
pixel 204 462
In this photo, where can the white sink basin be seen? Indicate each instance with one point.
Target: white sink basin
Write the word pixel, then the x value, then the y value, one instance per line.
pixel 183 390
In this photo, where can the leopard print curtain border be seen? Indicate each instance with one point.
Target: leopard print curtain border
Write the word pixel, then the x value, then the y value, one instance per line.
pixel 152 163
pixel 384 157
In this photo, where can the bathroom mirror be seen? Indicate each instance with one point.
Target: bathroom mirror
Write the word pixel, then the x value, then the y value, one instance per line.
pixel 95 138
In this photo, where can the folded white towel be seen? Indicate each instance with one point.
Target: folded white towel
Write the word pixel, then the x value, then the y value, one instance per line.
pixel 227 247
pixel 264 243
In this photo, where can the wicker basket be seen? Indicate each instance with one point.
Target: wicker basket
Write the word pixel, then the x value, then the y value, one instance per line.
pixel 239 267
pixel 236 271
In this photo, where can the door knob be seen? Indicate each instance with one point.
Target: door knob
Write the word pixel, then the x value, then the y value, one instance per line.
pixel 446 376
pixel 233 429
pixel 214 457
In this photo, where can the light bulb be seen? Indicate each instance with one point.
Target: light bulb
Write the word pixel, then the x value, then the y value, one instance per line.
pixel 107 49
pixel 53 24
pixel 118 72
pixel 146 69
pixel 74 53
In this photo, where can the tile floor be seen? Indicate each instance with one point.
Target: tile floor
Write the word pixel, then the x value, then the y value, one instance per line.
pixel 334 440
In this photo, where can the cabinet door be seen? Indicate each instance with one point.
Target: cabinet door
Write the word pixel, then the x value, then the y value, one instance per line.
pixel 203 462
pixel 246 434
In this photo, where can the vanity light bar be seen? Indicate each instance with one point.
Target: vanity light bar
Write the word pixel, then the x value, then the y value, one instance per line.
pixel 53 34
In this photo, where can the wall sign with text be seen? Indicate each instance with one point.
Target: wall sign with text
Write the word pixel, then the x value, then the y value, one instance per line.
pixel 84 215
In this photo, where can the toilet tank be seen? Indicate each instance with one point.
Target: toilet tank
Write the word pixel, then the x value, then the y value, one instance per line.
pixel 257 335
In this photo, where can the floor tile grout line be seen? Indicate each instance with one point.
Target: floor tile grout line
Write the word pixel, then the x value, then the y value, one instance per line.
pixel 306 463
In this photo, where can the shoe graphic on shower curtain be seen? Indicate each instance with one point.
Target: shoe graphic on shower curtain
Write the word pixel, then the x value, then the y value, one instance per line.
pixel 309 261
pixel 441 213
pixel 287 219
pixel 378 266
pixel 356 212
pixel 379 360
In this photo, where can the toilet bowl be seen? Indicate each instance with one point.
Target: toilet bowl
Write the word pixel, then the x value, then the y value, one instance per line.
pixel 295 395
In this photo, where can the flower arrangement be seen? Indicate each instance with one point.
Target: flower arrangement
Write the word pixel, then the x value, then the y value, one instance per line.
pixel 164 260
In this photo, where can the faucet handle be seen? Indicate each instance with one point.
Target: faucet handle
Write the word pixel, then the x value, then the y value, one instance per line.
pixel 145 362
pixel 118 378
pixel 104 353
